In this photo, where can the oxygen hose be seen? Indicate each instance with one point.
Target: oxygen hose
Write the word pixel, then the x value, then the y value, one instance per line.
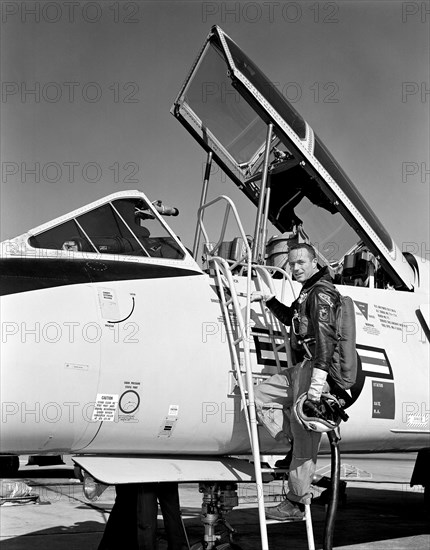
pixel 334 493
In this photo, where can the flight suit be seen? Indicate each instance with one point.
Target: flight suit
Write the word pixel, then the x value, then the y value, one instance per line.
pixel 312 318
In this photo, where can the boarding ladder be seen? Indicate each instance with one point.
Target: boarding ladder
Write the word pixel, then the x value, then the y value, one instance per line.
pixel 238 331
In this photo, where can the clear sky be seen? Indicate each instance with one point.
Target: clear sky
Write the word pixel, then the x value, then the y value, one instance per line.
pixel 87 89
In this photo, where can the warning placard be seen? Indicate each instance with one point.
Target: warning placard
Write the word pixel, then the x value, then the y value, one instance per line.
pixel 108 303
pixel 169 423
pixel 105 407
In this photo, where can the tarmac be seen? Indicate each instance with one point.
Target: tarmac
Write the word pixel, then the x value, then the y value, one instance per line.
pixel 381 511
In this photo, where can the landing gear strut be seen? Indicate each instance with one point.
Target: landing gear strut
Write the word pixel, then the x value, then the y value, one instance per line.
pixel 218 500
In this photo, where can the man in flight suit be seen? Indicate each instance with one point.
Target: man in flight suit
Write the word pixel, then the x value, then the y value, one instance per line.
pixel 312 318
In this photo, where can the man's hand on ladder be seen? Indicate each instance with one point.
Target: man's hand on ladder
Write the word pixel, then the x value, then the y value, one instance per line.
pixel 259 296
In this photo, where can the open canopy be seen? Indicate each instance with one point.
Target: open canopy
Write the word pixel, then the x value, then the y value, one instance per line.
pixel 226 103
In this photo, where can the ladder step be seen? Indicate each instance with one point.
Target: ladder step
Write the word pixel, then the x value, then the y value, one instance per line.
pixel 277 521
pixel 274 470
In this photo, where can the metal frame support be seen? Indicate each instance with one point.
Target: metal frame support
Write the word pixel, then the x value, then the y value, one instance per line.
pixel 202 202
pixel 261 220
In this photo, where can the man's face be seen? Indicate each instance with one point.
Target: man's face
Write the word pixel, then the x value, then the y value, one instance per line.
pixel 302 265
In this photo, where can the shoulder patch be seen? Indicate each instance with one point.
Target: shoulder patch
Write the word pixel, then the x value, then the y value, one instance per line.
pixel 325 298
pixel 323 313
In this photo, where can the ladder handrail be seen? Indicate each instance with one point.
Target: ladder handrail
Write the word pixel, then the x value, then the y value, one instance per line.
pixel 244 333
pixel 269 281
pixel 219 269
pixel 224 277
pixel 230 206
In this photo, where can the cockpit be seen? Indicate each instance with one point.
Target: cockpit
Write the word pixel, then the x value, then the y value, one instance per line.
pixel 124 226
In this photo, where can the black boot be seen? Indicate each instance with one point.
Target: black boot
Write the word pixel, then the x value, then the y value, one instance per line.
pixel 285 463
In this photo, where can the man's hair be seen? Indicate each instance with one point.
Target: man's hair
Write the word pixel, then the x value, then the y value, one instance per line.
pixel 306 246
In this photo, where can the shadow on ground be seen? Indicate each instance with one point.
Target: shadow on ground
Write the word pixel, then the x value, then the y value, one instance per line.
pixel 372 519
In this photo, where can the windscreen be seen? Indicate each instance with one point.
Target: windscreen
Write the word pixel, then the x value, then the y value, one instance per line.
pixel 222 110
pixel 329 233
pixel 124 227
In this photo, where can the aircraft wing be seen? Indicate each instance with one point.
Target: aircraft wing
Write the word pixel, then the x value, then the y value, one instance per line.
pixel 226 103
pixel 138 469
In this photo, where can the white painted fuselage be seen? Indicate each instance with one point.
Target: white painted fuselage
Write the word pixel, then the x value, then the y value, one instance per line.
pixel 144 366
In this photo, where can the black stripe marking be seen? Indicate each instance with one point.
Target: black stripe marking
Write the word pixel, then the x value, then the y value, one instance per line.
pixel 261 346
pixel 27 274
pixel 366 362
